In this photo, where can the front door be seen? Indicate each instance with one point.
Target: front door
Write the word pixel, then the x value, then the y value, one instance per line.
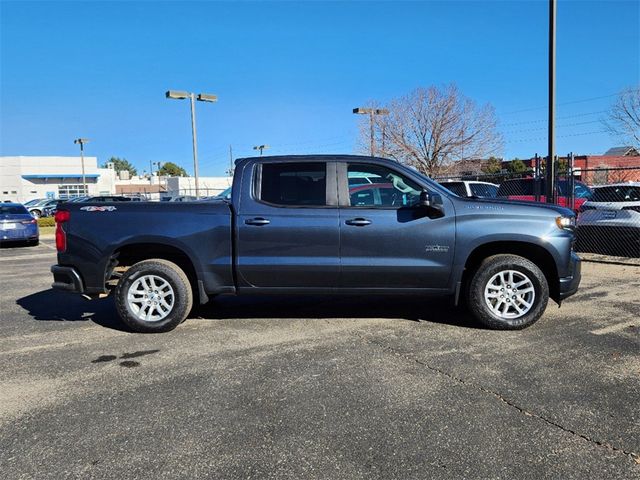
pixel 287 227
pixel 386 239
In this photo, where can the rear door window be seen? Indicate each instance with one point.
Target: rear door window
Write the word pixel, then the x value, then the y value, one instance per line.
pixel 293 184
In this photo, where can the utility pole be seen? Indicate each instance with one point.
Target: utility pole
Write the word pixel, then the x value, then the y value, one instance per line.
pixel 371 112
pixel 81 142
pixel 551 177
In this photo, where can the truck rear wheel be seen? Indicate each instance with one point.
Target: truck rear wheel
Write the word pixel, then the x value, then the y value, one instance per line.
pixel 508 292
pixel 153 296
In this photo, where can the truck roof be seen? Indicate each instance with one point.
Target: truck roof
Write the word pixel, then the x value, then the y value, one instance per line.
pixel 312 158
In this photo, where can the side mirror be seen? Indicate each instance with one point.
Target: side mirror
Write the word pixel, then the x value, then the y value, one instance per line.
pixel 432 202
pixel 425 199
pixel 430 199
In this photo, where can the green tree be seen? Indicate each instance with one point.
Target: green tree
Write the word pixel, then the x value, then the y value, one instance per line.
pixel 516 166
pixel 120 164
pixel 170 169
pixel 494 165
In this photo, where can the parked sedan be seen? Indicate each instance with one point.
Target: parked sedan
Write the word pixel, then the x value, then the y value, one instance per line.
pixel 17 224
pixel 38 209
pixel 609 223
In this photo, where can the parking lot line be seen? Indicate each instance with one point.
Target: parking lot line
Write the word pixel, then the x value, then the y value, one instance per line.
pixel 612 328
pixel 25 257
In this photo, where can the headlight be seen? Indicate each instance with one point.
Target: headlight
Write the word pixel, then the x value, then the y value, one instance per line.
pixel 566 223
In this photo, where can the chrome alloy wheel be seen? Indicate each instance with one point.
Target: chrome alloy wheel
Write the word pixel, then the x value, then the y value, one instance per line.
pixel 510 294
pixel 151 298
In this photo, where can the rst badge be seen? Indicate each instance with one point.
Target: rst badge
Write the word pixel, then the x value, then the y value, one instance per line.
pixel 108 208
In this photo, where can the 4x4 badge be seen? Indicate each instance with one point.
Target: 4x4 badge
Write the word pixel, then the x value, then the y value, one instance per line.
pixel 99 209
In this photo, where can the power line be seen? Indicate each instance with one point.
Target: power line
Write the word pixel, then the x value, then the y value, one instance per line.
pixel 559 136
pixel 558 126
pixel 563 103
pixel 559 118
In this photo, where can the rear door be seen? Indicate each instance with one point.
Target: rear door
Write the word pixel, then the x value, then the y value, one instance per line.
pixel 386 240
pixel 287 226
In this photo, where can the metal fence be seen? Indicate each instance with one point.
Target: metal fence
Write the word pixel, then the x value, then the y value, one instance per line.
pixel 606 201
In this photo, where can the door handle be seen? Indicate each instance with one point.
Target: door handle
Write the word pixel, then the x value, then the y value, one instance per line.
pixel 358 222
pixel 259 221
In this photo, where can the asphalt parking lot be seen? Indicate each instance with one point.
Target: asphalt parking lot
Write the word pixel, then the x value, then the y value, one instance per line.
pixel 317 387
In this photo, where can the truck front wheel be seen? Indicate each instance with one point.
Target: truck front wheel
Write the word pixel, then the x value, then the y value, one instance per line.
pixel 153 296
pixel 507 292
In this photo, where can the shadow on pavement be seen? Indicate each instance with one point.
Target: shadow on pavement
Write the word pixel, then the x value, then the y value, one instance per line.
pixel 50 305
pixel 437 310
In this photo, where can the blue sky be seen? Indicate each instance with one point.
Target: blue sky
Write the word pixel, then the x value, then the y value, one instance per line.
pixel 288 73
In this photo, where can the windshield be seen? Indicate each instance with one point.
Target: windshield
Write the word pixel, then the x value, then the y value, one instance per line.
pixel 226 194
pixel 616 194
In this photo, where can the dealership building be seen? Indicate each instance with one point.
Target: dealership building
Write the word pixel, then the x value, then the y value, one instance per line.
pixel 24 178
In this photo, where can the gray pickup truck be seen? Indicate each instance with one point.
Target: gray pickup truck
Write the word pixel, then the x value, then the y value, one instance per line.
pixel 321 224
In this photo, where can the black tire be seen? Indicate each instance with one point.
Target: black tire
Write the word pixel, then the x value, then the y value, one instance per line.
pixel 492 266
pixel 182 295
pixel 34 243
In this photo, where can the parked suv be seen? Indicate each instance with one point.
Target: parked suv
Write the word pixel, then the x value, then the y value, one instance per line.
pixel 526 189
pixel 609 223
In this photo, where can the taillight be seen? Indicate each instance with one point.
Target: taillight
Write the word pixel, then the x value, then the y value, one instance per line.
pixel 61 216
pixel 29 222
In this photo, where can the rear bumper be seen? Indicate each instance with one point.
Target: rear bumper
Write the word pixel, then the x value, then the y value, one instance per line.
pixel 67 279
pixel 569 285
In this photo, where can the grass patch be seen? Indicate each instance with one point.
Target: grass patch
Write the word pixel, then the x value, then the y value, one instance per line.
pixel 47 222
pixel 47 230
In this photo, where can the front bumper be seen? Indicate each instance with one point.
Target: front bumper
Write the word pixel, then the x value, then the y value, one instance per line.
pixel 67 279
pixel 569 285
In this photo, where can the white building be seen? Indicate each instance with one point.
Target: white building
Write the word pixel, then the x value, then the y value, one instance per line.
pixel 186 186
pixel 24 178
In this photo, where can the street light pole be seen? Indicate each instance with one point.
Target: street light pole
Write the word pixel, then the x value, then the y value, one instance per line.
pixel 261 148
pixel 550 193
pixel 81 142
pixel 201 97
pixel 192 97
pixel 371 112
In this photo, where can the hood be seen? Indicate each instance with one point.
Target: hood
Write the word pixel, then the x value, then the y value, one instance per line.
pixel 540 206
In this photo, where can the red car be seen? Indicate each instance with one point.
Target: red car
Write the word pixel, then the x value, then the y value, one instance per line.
pixel 525 189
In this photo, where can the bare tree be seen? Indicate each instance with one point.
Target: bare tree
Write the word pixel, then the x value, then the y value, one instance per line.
pixel 623 118
pixel 430 128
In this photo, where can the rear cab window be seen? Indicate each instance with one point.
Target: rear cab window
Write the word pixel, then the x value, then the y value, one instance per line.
pixel 13 210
